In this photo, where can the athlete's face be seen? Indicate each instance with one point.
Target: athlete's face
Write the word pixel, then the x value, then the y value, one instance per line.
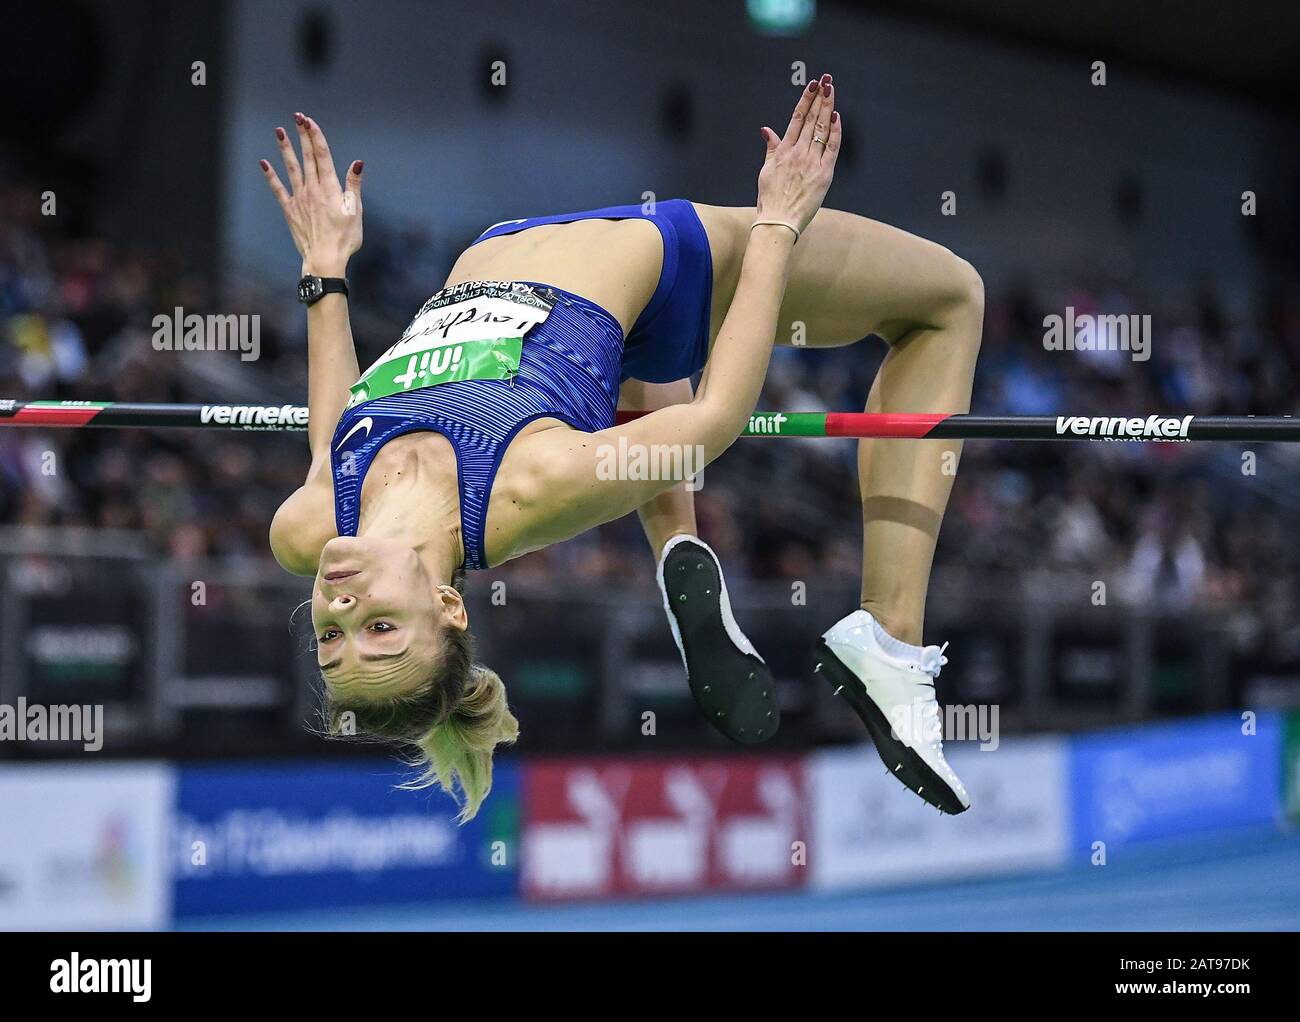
pixel 379 618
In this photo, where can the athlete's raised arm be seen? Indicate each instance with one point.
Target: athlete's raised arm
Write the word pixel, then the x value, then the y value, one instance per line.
pixel 325 221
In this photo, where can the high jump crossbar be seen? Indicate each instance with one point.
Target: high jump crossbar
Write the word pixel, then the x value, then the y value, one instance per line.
pixel 279 418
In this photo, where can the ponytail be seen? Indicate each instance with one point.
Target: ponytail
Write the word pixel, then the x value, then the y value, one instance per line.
pixel 458 752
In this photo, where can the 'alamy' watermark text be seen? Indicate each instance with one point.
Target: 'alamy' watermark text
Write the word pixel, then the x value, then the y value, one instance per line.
pixel 35 722
pixel 1087 332
pixel 666 462
pixel 181 332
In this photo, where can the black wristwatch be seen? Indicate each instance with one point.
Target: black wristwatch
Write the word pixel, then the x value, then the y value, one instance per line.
pixel 311 288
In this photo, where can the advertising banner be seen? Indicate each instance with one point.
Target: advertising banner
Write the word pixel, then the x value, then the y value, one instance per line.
pixel 1172 779
pixel 84 846
pixel 298 836
pixel 618 828
pixel 870 830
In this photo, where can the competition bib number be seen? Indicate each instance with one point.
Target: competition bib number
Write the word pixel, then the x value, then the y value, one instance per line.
pixel 471 331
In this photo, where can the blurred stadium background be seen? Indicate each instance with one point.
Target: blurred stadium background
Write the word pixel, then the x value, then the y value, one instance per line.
pixel 1125 789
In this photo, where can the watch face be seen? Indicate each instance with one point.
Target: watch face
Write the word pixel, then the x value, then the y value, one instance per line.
pixel 309 289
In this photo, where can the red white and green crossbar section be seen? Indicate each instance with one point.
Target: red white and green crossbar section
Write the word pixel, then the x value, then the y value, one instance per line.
pixel 1239 428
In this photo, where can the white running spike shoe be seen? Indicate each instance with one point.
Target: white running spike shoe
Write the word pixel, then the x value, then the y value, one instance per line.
pixel 894 696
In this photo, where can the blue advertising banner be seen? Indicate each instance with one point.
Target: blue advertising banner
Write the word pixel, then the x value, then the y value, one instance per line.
pixel 1171 779
pixel 301 836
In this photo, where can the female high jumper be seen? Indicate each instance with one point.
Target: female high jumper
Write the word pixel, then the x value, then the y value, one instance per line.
pixel 485 433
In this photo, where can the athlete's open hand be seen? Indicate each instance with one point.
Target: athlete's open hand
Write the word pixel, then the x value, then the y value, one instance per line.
pixel 323 217
pixel 799 165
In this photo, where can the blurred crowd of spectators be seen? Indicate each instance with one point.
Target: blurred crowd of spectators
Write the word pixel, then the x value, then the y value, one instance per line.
pixel 1179 523
pixel 75 324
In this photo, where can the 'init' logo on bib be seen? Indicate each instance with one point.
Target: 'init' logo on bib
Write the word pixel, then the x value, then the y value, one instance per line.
pixel 431 363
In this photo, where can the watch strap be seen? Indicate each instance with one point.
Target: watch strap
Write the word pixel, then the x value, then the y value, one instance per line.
pixel 333 286
pixel 312 288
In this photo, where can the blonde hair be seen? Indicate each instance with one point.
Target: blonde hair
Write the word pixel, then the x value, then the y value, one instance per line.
pixel 458 752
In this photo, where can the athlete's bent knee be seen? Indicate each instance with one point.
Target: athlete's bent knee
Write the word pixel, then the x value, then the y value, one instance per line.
pixel 963 287
pixel 971 284
pixel 962 310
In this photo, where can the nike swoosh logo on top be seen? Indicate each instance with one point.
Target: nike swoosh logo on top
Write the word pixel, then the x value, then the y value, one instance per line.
pixel 365 424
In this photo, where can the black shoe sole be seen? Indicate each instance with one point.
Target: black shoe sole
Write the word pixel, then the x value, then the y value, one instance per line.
pixel 734 690
pixel 899 760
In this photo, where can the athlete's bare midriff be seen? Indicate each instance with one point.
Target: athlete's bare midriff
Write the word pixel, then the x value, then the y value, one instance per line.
pixel 614 263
